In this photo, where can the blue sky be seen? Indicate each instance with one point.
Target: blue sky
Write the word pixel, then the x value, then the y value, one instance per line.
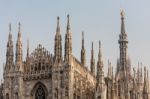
pixel 100 19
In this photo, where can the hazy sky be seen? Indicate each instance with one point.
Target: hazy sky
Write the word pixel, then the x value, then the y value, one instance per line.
pixel 100 19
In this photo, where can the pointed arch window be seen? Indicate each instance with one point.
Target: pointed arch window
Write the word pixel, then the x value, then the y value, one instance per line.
pixel 40 94
pixel 87 96
pixel 56 93
pixel 99 97
pixel 39 91
pixel 39 66
pixel 74 95
pixel 66 91
pixel 78 97
pixel 119 88
pixel 35 69
pixel 7 96
pixel 16 96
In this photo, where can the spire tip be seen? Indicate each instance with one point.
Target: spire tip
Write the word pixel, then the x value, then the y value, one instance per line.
pixel 82 34
pixel 9 27
pixel 122 13
pixel 68 16
pixel 68 23
pixel 99 44
pixel 58 26
pixel 58 17
pixel 19 26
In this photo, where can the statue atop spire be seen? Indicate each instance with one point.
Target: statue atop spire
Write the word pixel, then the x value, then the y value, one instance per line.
pixel 122 13
pixel 123 68
pixel 123 44
pixel 122 23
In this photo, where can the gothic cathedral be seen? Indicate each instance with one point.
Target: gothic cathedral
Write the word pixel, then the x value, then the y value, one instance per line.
pixel 45 75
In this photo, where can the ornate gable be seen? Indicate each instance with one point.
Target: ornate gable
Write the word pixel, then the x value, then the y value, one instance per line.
pixel 40 62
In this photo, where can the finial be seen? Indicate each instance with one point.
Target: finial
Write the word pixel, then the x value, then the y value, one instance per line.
pixel 9 27
pixel 58 26
pixel 122 13
pixel 19 26
pixel 10 35
pixel 68 22
pixel 28 43
pixel 82 35
pixel 92 52
pixel 28 48
pixel 58 18
pixel 99 44
pixel 92 45
pixel 82 39
pixel 100 53
pixel 68 16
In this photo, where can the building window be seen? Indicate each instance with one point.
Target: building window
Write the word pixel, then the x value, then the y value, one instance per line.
pixel 39 67
pixel 119 90
pixel 66 91
pixel 74 96
pixel 43 68
pixel 87 96
pixel 56 93
pixel 16 96
pixel 7 96
pixel 40 94
pixel 35 68
pixel 99 97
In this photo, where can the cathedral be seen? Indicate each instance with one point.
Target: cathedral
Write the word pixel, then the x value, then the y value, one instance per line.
pixel 45 75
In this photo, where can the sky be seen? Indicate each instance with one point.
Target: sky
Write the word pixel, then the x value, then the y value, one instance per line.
pixel 99 19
